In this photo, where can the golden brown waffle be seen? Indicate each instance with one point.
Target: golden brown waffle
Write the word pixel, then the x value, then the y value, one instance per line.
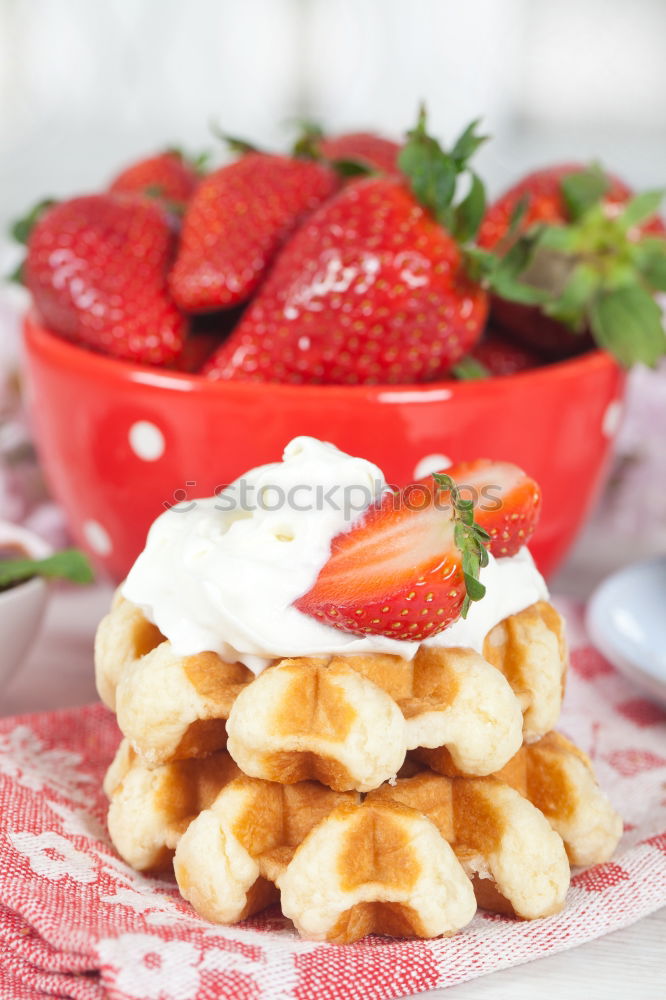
pixel 170 707
pixel 151 809
pixel 530 650
pixel 559 779
pixel 346 721
pixel 398 862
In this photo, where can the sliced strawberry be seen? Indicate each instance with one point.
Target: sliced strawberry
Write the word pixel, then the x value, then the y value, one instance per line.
pixel 507 502
pixel 407 570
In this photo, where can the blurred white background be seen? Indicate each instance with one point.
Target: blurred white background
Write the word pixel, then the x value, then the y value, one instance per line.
pixel 84 87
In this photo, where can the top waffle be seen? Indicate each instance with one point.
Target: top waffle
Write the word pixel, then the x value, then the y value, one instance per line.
pixel 347 721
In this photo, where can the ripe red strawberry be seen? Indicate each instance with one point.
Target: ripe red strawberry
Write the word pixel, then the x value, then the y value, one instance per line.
pixel 168 176
pixel 235 223
pixel 371 150
pixel 543 197
pixel 97 270
pixel 495 355
pixel 591 256
pixel 507 502
pixel 370 290
pixel 406 570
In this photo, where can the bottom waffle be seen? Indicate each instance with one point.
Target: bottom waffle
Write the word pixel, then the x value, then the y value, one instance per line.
pixel 413 858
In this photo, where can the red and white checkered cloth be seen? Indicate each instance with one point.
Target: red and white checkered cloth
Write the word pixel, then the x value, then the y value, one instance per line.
pixel 75 921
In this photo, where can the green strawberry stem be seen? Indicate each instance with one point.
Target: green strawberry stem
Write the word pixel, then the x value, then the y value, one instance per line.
pixel 433 175
pixel 233 142
pixel 199 162
pixel 306 144
pixel 70 564
pixel 594 273
pixel 470 538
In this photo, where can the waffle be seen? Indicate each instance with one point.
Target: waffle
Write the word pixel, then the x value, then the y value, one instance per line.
pixel 150 809
pixel 530 650
pixel 406 859
pixel 170 707
pixel 346 721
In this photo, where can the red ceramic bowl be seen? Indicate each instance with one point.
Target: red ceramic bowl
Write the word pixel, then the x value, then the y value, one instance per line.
pixel 119 441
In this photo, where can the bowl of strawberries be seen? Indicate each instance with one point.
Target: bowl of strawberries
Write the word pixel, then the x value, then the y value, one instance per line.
pixel 187 325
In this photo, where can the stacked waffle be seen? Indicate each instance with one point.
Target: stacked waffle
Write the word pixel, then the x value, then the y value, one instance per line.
pixel 366 793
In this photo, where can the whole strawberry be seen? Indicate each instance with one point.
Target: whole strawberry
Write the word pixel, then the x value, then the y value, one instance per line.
pixel 168 176
pixel 371 289
pixel 542 197
pixel 495 354
pixel 576 258
pixel 97 270
pixel 238 218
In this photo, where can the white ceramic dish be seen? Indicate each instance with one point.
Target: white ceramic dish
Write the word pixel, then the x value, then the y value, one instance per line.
pixel 626 620
pixel 21 607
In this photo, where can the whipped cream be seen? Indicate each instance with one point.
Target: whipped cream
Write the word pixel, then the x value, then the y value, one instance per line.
pixel 222 573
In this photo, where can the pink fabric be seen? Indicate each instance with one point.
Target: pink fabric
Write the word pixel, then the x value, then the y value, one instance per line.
pixel 75 921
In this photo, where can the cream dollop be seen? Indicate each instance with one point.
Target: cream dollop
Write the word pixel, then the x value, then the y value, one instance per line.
pixel 222 573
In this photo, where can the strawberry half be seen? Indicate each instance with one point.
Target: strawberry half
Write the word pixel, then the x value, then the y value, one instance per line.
pixel 507 502
pixel 407 570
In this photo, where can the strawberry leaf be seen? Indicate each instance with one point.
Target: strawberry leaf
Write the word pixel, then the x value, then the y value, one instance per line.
pixel 641 207
pixel 469 213
pixel 307 141
pixel 583 189
pixel 352 168
pixel 234 143
pixel 505 279
pixel 467 143
pixel 650 260
pixel 470 539
pixel 517 215
pixel 433 174
pixel 571 305
pixel 628 322
pixel 20 229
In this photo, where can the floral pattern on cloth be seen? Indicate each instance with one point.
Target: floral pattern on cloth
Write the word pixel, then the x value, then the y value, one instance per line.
pixel 76 921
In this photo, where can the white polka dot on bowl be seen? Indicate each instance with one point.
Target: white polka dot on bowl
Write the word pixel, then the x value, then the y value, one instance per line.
pixel 611 418
pixel 431 463
pixel 97 538
pixel 146 440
